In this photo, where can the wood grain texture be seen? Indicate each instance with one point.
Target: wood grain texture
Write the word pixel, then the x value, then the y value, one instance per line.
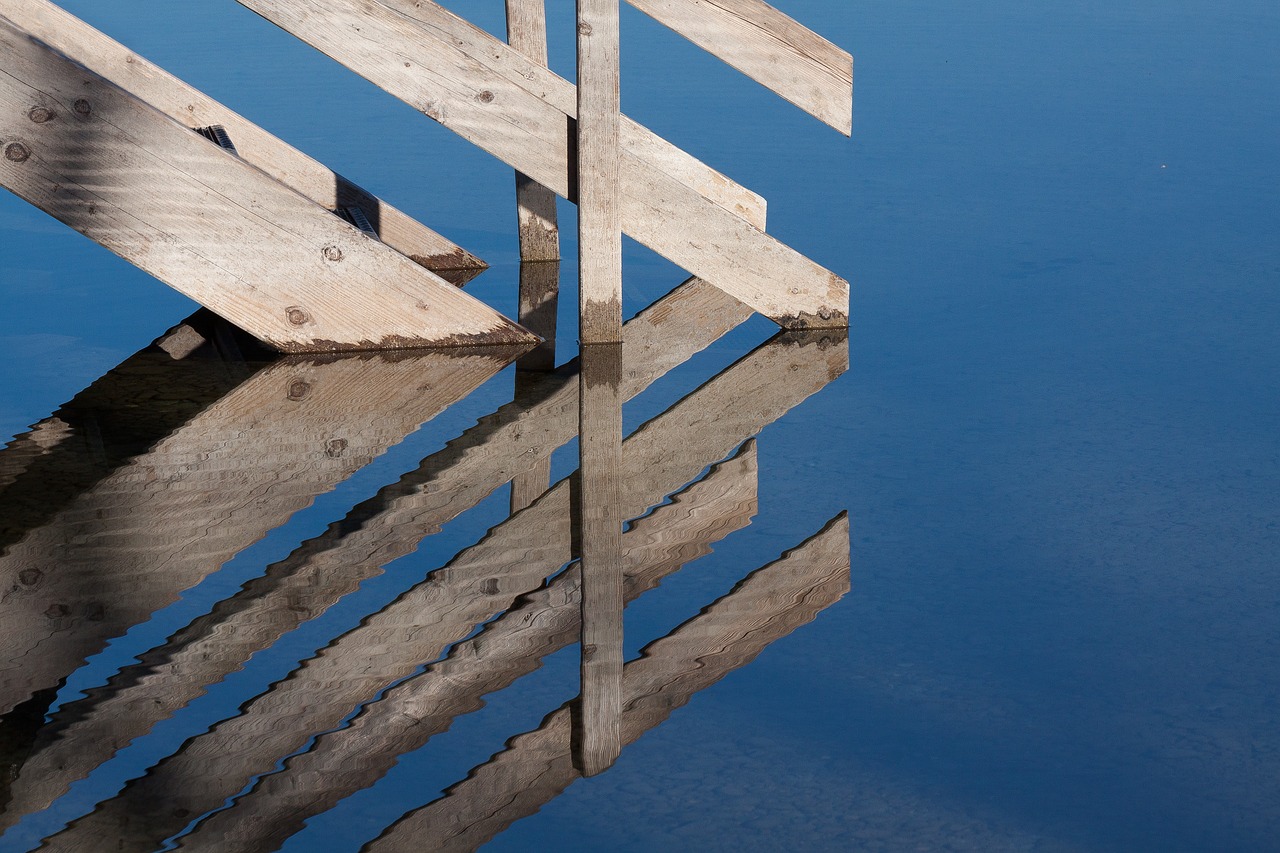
pixel 131 543
pixel 770 48
pixel 540 623
pixel 520 113
pixel 209 224
pixel 537 766
pixel 597 532
pixel 481 581
pixel 535 204
pixel 599 194
pixel 518 438
pixel 82 43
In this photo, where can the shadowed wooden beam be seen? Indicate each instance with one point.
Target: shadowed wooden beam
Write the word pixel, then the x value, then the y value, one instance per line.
pixel 597 532
pixel 129 543
pixel 82 43
pixel 407 716
pixel 512 559
pixel 535 204
pixel 537 766
pixel 599 198
pixel 768 47
pixel 539 301
pixel 518 111
pixel 209 224
pixel 518 438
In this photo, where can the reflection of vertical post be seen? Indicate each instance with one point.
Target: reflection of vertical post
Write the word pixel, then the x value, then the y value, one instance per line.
pixel 539 288
pixel 598 519
pixel 599 204
pixel 535 204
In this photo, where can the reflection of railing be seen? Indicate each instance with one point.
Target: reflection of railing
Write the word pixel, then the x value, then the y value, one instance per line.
pixel 513 582
pixel 98 138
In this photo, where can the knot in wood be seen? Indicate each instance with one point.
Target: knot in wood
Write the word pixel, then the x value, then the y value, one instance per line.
pixel 30 577
pixel 485 97
pixel 335 448
pixel 82 107
pixel 332 253
pixel 298 389
pixel 17 152
pixel 57 611
pixel 584 29
pixel 41 114
pixel 297 316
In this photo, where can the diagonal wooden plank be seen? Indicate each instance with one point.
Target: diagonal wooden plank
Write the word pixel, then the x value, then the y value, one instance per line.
pixel 408 715
pixel 209 224
pixel 536 766
pixel 514 558
pixel 770 48
pixel 518 111
pixel 95 50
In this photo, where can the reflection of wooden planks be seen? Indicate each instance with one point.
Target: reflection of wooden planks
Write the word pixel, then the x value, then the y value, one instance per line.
pixel 768 47
pixel 382 529
pixel 597 532
pixel 129 544
pixel 481 581
pixel 210 225
pixel 350 759
pixel 520 112
pixel 94 50
pixel 536 766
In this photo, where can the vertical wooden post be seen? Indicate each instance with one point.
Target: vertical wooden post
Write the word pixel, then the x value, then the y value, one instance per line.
pixel 598 522
pixel 535 204
pixel 599 198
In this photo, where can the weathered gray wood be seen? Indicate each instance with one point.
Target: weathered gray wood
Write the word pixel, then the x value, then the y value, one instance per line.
pixel 599 193
pixel 386 527
pixel 520 113
pixel 597 530
pixel 479 582
pixel 770 48
pixel 539 302
pixel 535 204
pixel 536 767
pixel 408 715
pixel 132 541
pixel 68 34
pixel 209 224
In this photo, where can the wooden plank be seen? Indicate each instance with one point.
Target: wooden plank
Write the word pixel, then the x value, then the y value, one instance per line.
pixel 476 86
pixel 519 438
pixel 535 204
pixel 68 34
pixel 770 48
pixel 599 197
pixel 209 224
pixel 514 558
pixel 344 761
pixel 536 767
pixel 598 517
pixel 134 538
pixel 539 303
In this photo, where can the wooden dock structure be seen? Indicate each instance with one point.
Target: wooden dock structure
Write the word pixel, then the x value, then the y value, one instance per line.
pixel 307 261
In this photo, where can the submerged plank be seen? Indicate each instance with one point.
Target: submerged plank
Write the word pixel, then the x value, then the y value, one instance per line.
pixel 770 48
pixel 68 34
pixel 209 224
pixel 481 581
pixel 537 766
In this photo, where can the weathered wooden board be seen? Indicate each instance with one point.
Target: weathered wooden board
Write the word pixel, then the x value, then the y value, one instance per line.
pixel 599 193
pixel 478 583
pixel 536 767
pixel 134 538
pixel 770 48
pixel 408 715
pixel 597 533
pixel 520 113
pixel 535 204
pixel 98 52
pixel 519 438
pixel 209 224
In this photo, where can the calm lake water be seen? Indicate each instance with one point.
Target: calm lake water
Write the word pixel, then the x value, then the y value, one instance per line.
pixel 1053 426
